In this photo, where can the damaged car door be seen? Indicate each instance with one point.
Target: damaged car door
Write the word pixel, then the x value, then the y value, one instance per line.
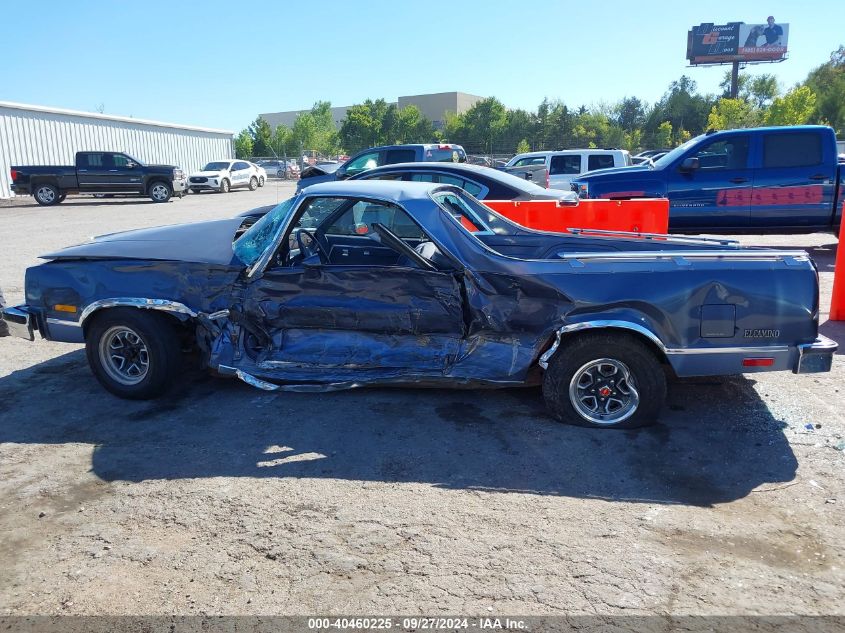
pixel 353 288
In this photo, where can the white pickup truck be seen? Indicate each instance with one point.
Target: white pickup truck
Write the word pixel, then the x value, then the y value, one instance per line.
pixel 561 166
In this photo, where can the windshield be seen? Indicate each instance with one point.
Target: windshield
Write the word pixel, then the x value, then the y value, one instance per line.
pixel 668 159
pixel 216 167
pixel 249 246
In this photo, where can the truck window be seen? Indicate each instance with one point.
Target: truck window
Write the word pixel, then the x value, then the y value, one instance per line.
pixel 120 160
pixel 565 164
pixel 599 161
pixel 802 149
pixel 400 156
pixel 362 163
pixel 530 160
pixel 88 161
pixel 730 153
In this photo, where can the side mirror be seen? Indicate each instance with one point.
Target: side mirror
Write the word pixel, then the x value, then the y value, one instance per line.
pixel 131 165
pixel 341 174
pixel 689 164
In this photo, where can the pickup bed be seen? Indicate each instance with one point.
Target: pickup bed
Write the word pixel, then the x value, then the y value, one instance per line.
pixel 783 179
pixel 98 172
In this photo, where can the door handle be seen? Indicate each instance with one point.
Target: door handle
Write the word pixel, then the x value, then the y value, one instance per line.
pixel 819 177
pixel 112 170
pixel 739 181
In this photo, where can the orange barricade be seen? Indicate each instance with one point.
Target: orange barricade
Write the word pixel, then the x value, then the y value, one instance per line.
pixel 837 301
pixel 644 215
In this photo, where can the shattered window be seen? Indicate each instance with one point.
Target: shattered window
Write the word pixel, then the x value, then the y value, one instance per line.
pixel 259 236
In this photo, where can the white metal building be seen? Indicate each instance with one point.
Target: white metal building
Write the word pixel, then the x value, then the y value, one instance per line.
pixel 35 135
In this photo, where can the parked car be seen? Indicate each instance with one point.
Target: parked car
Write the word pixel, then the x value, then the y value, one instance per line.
pixel 280 168
pixel 262 174
pixel 378 156
pixel 563 165
pixel 383 282
pixel 755 180
pixel 224 175
pixel 651 153
pixel 98 172
pixel 480 182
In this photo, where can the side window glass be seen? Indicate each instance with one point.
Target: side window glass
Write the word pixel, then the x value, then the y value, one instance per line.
pixel 400 156
pixel 423 177
pixel 393 176
pixel 731 153
pixel 120 161
pixel 792 150
pixel 358 220
pixel 565 164
pixel 599 161
pixel 530 160
pixel 362 163
pixel 93 160
pixel 317 210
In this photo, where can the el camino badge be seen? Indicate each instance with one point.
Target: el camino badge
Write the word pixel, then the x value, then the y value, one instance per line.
pixel 762 333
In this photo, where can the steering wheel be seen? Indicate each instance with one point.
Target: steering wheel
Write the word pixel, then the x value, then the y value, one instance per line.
pixel 313 248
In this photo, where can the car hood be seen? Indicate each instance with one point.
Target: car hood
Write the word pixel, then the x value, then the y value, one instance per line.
pixel 209 174
pixel 319 170
pixel 201 242
pixel 629 169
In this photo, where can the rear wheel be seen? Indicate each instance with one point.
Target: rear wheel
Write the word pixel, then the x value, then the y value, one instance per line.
pixel 261 181
pixel 160 191
pixel 46 194
pixel 605 381
pixel 134 354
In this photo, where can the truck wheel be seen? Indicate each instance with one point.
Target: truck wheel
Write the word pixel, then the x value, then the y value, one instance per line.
pixel 605 381
pixel 253 183
pixel 62 197
pixel 134 354
pixel 160 191
pixel 46 195
pixel 224 186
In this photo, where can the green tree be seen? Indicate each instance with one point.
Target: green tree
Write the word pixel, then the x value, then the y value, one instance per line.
pixel 663 137
pixel 483 124
pixel 411 126
pixel 523 147
pixel 243 144
pixel 315 130
pixel 828 84
pixel 281 142
pixel 796 107
pixel 261 135
pixel 629 114
pixel 729 114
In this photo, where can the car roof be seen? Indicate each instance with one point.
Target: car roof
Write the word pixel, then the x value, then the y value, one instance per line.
pixel 391 190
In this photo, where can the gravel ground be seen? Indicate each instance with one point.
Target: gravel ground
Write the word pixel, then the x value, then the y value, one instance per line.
pixel 221 499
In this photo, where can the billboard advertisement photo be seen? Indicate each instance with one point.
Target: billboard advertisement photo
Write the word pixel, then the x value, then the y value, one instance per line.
pixel 737 42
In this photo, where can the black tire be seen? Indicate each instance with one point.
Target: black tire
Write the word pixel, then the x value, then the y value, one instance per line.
pixel 62 197
pixel 46 194
pixel 261 181
pixel 160 191
pixel 161 348
pixel 596 360
pixel 253 183
pixel 280 173
pixel 225 186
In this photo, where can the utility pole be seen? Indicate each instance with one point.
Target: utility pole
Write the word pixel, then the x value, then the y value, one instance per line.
pixel 735 80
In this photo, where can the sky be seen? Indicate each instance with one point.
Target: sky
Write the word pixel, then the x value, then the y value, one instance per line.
pixel 219 64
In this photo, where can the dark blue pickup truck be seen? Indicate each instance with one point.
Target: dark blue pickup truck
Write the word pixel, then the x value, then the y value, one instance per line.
pixel 768 179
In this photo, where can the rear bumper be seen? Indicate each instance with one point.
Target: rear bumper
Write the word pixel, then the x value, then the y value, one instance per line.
pixel 19 321
pixel 20 189
pixel 816 357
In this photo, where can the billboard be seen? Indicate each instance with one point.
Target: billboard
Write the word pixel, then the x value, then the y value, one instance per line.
pixel 737 42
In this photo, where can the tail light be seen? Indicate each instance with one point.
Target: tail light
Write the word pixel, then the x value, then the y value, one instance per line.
pixel 758 362
pixel 444 147
pixel 14 174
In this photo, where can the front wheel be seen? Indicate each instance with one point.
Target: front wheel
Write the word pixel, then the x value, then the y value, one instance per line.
pixel 605 381
pixel 134 354
pixel 46 195
pixel 160 191
pixel 253 183
pixel 224 186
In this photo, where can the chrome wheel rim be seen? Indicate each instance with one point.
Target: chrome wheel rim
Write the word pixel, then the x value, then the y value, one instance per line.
pixel 46 194
pixel 159 192
pixel 225 186
pixel 124 355
pixel 603 392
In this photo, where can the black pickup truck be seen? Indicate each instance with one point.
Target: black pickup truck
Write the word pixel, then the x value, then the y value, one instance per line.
pixel 98 172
